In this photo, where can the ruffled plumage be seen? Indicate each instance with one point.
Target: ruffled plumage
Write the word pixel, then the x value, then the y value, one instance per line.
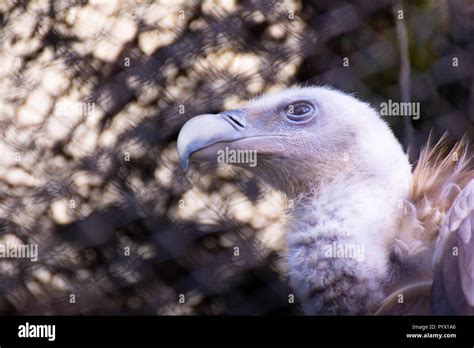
pixel 438 216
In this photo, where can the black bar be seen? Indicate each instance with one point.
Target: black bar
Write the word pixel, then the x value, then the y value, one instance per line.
pixel 135 330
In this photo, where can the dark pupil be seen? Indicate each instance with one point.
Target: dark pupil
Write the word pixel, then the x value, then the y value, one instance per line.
pixel 300 109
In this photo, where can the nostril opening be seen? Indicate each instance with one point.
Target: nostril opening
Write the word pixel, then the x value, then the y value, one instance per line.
pixel 237 118
pixel 235 121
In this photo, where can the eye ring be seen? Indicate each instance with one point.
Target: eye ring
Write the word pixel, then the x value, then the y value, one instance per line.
pixel 299 112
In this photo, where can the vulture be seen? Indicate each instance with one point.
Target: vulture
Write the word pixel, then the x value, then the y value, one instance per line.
pixel 366 233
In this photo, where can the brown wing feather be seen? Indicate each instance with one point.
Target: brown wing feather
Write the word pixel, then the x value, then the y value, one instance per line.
pixel 440 175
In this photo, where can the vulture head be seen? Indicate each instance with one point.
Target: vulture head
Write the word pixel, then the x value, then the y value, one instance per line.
pixel 350 181
pixel 303 137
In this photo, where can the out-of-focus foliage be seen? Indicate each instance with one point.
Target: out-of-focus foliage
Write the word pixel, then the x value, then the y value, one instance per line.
pixel 92 97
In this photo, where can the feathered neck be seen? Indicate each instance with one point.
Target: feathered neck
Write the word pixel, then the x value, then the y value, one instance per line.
pixel 337 241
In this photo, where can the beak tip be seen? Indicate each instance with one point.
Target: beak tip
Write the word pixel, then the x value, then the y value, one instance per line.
pixel 183 162
pixel 183 151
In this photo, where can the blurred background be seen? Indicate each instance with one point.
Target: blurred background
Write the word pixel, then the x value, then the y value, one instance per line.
pixel 92 97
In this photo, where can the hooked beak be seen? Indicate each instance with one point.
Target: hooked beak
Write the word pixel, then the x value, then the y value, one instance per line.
pixel 199 135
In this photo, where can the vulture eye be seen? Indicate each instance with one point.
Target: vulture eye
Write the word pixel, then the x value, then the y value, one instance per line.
pixel 300 112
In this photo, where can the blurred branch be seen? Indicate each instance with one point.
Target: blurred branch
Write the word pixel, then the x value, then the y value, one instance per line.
pixel 404 74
